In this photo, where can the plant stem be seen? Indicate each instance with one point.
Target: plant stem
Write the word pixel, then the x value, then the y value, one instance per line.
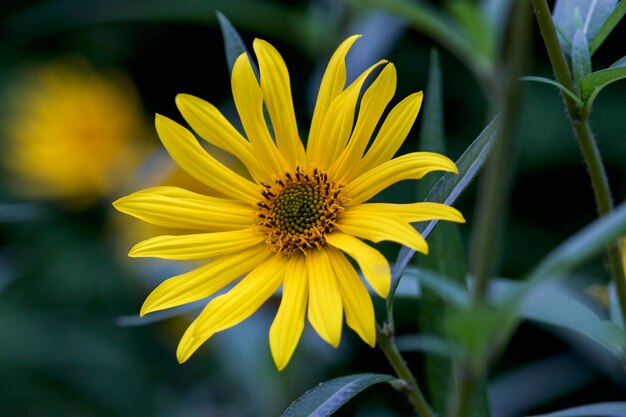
pixel 495 182
pixel 579 119
pixel 464 388
pixel 387 343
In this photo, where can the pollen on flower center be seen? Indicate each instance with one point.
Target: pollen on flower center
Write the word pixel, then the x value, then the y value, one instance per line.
pixel 298 210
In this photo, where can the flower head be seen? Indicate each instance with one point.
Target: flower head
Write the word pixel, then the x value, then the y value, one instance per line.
pixel 303 211
pixel 72 132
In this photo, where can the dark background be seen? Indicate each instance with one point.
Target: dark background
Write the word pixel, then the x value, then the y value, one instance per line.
pixel 65 281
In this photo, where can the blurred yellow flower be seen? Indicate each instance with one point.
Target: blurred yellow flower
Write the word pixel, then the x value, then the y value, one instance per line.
pixel 71 133
pixel 303 210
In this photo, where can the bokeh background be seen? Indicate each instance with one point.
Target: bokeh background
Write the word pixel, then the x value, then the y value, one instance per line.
pixel 80 82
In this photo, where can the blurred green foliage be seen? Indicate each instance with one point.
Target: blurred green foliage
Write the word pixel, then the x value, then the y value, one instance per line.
pixel 64 279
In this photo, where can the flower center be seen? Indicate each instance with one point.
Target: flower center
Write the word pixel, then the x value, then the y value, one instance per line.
pixel 298 210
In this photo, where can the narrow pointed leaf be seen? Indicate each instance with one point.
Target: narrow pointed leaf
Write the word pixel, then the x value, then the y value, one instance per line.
pixel 584 245
pixel 136 320
pixel 327 397
pixel 581 59
pixel 557 85
pixel 556 305
pixel 591 84
pixel 438 26
pixel 453 293
pixel 429 344
pixel 446 255
pixel 233 44
pixel 609 409
pixel 450 187
pixel 607 27
pixel 587 15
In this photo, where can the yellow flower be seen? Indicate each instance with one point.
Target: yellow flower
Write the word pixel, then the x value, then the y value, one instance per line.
pixel 72 133
pixel 292 225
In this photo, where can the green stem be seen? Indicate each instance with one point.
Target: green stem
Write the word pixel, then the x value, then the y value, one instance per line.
pixel 579 118
pixel 465 386
pixel 387 343
pixel 496 180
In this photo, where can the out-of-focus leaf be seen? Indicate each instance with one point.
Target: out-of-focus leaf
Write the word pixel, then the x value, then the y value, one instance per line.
pixel 475 25
pixel 578 249
pixel 233 44
pixel 586 15
pixel 581 60
pixel 21 212
pixel 610 409
pixel 607 27
pixel 614 308
pixel 136 320
pixel 474 329
pixel 436 25
pixel 446 256
pixel 431 137
pixel 552 304
pixel 450 291
pixel 557 85
pixel 327 397
pixel 429 343
pixel 450 187
pixel 537 383
pixel 591 84
pixel 497 14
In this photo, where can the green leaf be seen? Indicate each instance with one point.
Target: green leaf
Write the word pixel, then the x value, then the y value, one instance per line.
pixel 586 15
pixel 21 212
pixel 609 409
pixel 426 19
pixel 446 258
pixel 584 245
pixel 581 59
pixel 474 329
pixel 133 320
pixel 607 27
pixel 327 397
pixel 429 344
pixel 496 13
pixel 233 44
pixel 450 187
pixel 557 305
pixel 450 291
pixel 591 84
pixel 431 137
pixel 477 28
pixel 560 86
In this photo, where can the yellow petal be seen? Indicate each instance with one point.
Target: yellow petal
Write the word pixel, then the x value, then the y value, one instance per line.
pixel 249 102
pixel 325 307
pixel 416 212
pixel 373 264
pixel 410 166
pixel 337 125
pixel 392 133
pixel 356 299
pixel 235 306
pixel 204 281
pixel 373 103
pixel 181 209
pixel 189 155
pixel 277 93
pixel 197 246
pixel 213 127
pixel 378 227
pixel 331 86
pixel 289 322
